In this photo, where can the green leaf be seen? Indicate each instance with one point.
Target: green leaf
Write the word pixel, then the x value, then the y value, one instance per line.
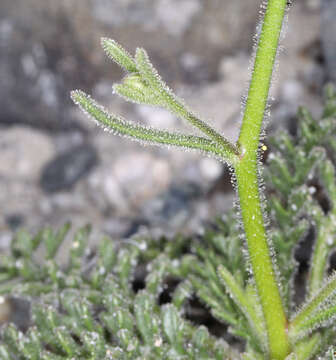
pixel 119 55
pixel 316 312
pixel 148 135
pixel 173 327
pixel 133 88
pixel 150 75
pixel 53 241
pixel 246 305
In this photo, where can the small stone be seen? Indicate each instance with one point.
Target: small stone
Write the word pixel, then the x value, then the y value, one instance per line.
pixel 176 15
pixel 291 91
pixel 328 31
pixel 172 207
pixel 24 152
pixel 14 220
pixel 157 117
pixel 67 168
pixel 5 240
pixel 133 178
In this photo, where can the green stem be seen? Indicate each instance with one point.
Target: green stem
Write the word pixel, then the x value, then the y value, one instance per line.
pixel 248 185
pixel 181 111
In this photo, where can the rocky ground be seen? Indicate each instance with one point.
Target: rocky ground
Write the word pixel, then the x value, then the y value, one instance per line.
pixel 57 166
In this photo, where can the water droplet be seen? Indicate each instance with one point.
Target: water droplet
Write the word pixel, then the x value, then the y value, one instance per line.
pixel 158 342
pixel 18 264
pixel 294 207
pixel 75 244
pixel 130 347
pixel 175 263
pixel 330 240
pixel 312 190
pixel 143 246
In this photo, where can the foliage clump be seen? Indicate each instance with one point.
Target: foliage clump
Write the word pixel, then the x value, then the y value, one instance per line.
pixel 134 299
pixel 243 272
pixel 97 306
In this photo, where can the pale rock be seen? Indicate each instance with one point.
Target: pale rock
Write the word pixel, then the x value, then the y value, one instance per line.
pixel 132 179
pixel 157 117
pixel 211 169
pixel 24 152
pixel 175 15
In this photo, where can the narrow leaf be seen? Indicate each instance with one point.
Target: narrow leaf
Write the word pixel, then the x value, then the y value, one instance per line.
pixel 323 318
pixel 327 171
pixel 308 348
pixel 175 105
pixel 143 134
pixel 134 89
pixel 53 241
pixel 119 55
pixel 151 75
pixel 245 304
pixel 312 314
pixel 173 326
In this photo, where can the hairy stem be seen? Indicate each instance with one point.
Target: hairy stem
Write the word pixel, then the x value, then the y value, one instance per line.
pixel 248 183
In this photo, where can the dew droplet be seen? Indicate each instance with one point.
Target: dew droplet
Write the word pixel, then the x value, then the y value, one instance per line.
pixel 158 342
pixel 130 347
pixel 312 190
pixel 329 240
pixel 142 246
pixel 75 245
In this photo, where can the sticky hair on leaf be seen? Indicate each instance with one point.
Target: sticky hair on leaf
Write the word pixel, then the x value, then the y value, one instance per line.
pixel 119 55
pixel 143 134
pixel 134 89
pixel 144 86
pixel 149 73
pixel 315 311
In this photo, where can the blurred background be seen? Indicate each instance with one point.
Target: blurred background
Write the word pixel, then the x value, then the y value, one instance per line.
pixel 56 166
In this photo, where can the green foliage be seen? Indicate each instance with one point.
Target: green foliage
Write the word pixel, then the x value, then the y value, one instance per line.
pixel 89 308
pixel 301 178
pixel 143 85
pixel 118 302
pixel 94 308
